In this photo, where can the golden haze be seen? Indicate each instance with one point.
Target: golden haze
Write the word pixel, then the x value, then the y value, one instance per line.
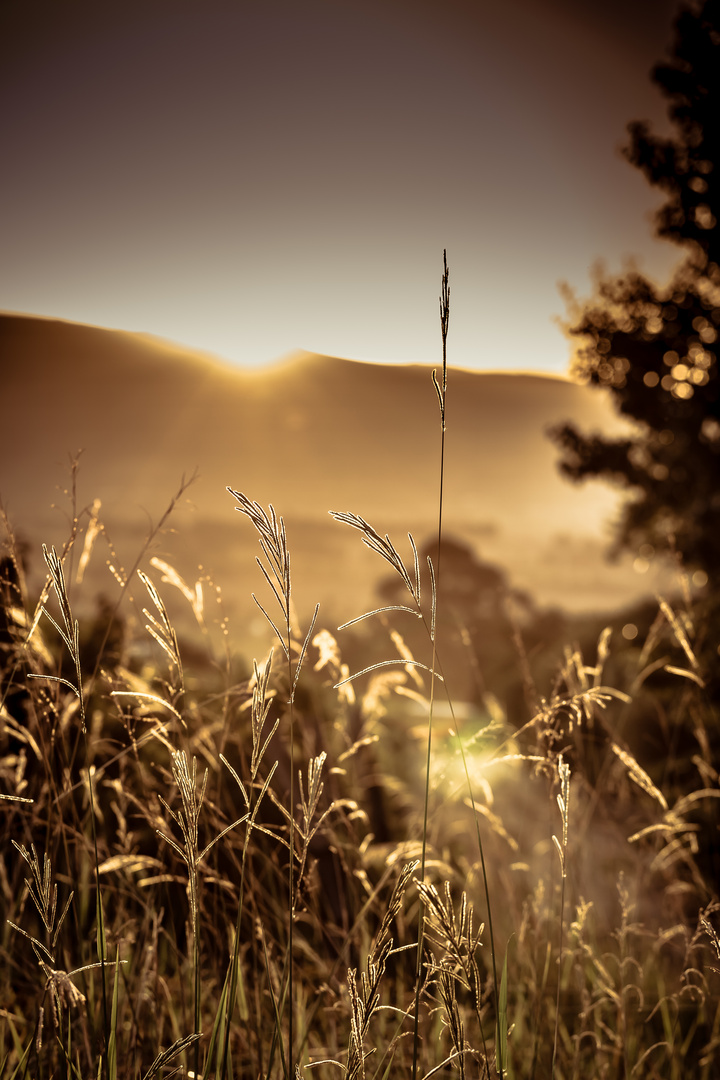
pixel 311 434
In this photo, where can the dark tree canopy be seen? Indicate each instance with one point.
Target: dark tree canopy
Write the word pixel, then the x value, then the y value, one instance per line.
pixel 685 165
pixel 654 348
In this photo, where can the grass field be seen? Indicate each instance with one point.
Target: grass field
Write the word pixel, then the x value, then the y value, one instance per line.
pixel 221 867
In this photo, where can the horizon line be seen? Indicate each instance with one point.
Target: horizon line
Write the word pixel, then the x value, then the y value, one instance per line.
pixel 160 341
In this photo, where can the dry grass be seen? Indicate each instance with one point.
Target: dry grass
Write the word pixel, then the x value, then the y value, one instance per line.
pixel 226 870
pixel 182 782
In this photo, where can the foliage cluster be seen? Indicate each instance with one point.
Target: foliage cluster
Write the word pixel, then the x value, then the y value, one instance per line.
pixel 654 347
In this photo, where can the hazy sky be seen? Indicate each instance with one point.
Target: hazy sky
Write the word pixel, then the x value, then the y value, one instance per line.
pixel 248 177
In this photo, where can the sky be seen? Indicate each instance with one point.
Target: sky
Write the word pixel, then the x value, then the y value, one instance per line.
pixel 252 177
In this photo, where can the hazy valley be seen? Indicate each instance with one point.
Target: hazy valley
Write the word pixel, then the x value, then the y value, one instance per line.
pixel 311 434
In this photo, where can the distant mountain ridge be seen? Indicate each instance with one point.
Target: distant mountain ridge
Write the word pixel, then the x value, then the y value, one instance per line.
pixel 311 434
pixel 309 430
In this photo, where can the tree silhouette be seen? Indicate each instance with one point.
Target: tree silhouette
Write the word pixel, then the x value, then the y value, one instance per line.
pixel 655 349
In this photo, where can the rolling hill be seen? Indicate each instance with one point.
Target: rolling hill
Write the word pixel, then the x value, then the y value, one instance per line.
pixel 311 434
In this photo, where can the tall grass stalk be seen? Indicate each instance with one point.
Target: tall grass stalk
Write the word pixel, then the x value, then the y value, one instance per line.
pixel 276 571
pixel 563 801
pixel 125 579
pixel 260 707
pixel 441 390
pixel 70 634
pixel 365 1001
pixel 187 819
pixel 384 547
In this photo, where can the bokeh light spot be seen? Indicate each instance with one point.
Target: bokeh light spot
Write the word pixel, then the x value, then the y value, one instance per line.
pixel 704 217
pixel 710 429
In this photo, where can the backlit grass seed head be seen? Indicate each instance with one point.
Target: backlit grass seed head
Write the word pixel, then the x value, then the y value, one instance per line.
pixel 69 631
pixel 707 926
pixel 679 632
pixel 195 597
pixel 444 324
pixel 39 886
pixel 455 936
pixel 314 789
pixel 387 551
pixel 261 702
pixel 162 630
pixel 273 541
pixel 365 1000
pixel 43 893
pixel 187 819
pixel 165 1057
pixel 453 1019
pixel 563 801
pixel 638 775
pixel 563 712
pixel 63 992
